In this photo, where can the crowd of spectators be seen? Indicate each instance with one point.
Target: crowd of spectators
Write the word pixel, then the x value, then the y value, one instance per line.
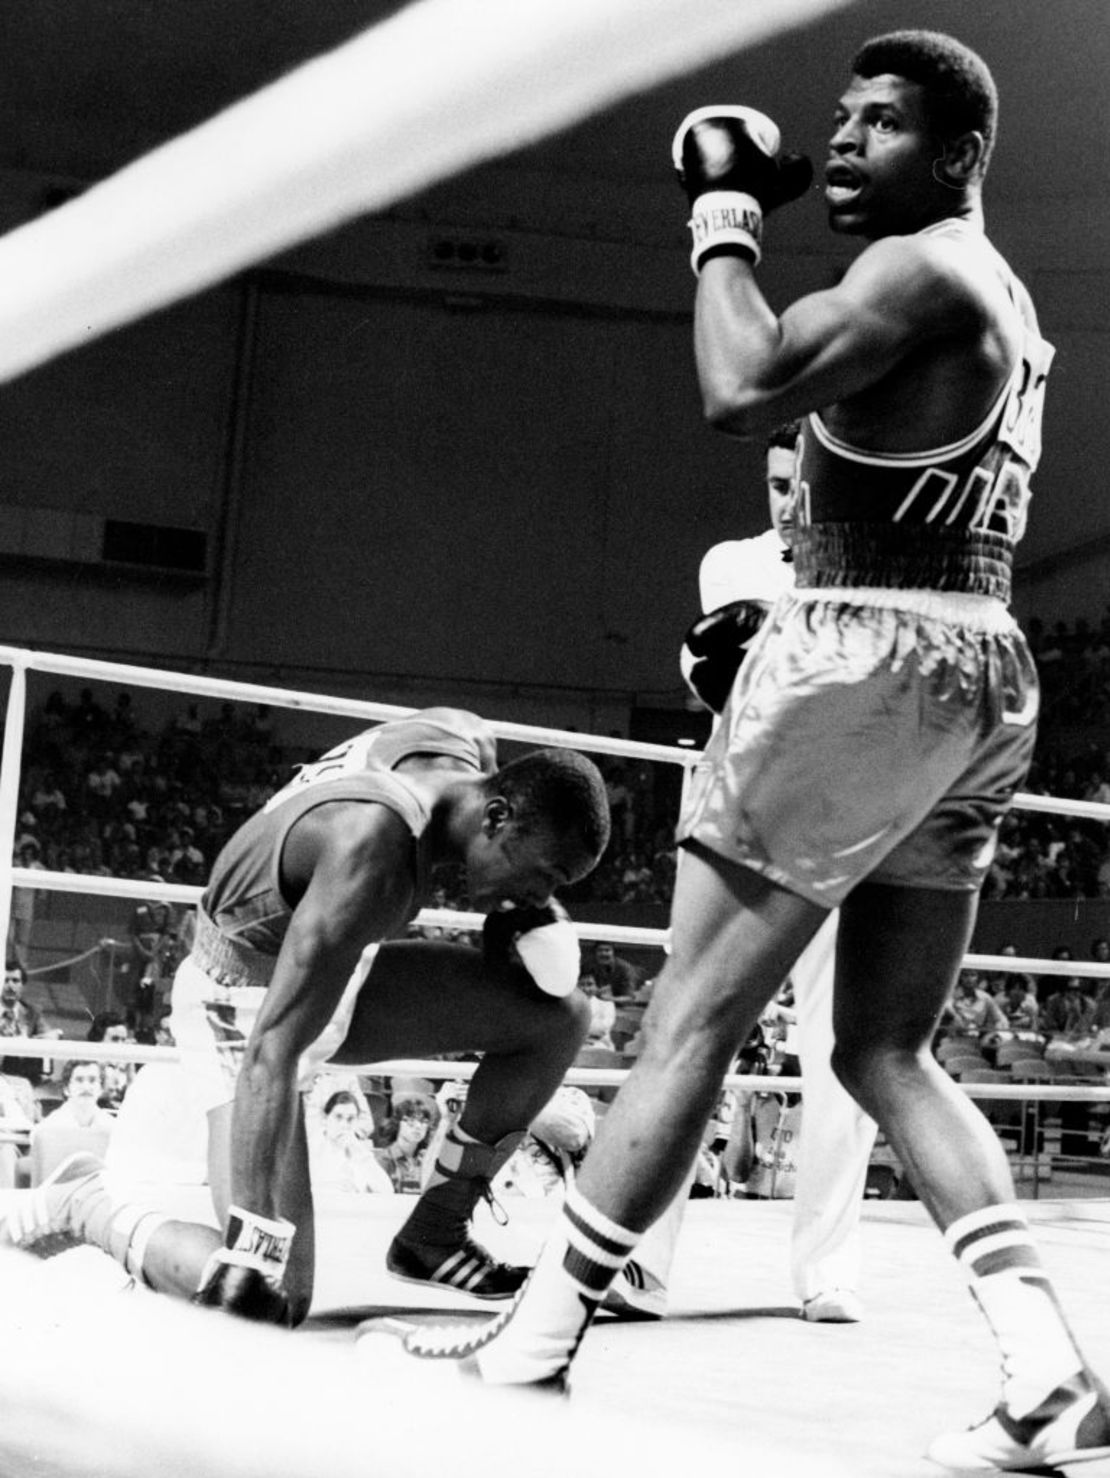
pixel 101 793
pixel 105 792
pixel 1073 660
pixel 1065 1011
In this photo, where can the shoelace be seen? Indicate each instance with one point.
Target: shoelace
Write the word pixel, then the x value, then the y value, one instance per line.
pixel 485 1193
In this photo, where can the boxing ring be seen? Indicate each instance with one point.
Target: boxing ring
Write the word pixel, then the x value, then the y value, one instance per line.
pixel 720 1370
pixel 97 1382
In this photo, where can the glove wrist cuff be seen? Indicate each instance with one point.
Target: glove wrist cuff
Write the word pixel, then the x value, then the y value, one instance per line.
pixel 258 1241
pixel 726 218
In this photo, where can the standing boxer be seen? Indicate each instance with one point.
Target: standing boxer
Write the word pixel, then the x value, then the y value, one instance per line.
pixel 880 724
pixel 286 971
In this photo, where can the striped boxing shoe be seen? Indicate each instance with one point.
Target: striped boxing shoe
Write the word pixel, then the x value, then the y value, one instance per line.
pixel 467 1267
pixel 1071 1425
pixel 636 1294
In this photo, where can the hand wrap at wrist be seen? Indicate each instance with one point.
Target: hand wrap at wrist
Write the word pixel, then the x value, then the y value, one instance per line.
pixel 255 1242
pixel 729 219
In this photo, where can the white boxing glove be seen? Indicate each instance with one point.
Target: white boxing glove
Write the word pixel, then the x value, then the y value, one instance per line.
pixel 544 939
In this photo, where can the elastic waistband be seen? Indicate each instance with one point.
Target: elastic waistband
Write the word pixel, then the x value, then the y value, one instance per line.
pixel 953 607
pixel 899 556
pixel 225 960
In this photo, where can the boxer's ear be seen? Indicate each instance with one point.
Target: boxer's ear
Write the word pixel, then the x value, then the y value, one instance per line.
pixel 961 160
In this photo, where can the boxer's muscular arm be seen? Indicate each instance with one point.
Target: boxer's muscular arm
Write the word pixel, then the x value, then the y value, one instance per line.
pixel 757 370
pixel 354 863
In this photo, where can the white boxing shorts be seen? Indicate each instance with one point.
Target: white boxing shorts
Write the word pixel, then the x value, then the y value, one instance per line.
pixel 869 734
pixel 211 1024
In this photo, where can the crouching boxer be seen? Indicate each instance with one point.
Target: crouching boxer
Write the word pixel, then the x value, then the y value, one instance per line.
pixel 288 971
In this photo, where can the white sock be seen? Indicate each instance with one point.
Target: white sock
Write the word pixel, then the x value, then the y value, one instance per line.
pixel 1010 1285
pixel 541 1333
pixel 143 1227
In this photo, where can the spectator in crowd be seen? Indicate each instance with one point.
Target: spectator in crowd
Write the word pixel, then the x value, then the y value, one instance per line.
pixel 340 1159
pixel 88 718
pixel 557 1139
pixel 116 1077
pixel 637 879
pixel 779 1021
pixel 406 1134
pixel 1100 954
pixel 972 1011
pixel 120 723
pixel 28 854
pixel 19 1018
pixel 101 784
pixel 48 799
pixel 16 1121
pixel 79 1123
pixel 1068 1013
pixel 621 809
pixel 613 974
pixel 707 1181
pixel 1100 1022
pixel 155 952
pixel 1019 1002
pixel 603 1013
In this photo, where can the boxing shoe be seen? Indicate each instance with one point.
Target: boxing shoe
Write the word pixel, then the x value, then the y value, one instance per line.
pixel 548 1385
pixel 1071 1425
pixel 42 1220
pixel 465 1346
pixel 467 1267
pixel 834 1306
pixel 636 1294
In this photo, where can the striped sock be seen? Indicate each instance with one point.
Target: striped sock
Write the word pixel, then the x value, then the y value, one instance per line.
pixel 1008 1282
pixel 83 1206
pixel 117 1225
pixel 543 1330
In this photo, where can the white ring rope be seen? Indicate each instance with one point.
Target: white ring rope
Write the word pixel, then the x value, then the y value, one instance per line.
pixel 24 660
pixel 441 86
pixel 438 1070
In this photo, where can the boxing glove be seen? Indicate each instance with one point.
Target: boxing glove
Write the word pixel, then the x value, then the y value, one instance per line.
pixel 716 645
pixel 245 1275
pixel 543 939
pixel 728 162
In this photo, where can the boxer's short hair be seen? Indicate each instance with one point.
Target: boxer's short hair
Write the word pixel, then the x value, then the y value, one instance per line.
pixel 960 92
pixel 559 788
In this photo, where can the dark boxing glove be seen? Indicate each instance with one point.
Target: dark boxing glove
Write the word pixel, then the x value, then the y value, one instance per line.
pixel 728 162
pixel 245 1276
pixel 542 937
pixel 717 644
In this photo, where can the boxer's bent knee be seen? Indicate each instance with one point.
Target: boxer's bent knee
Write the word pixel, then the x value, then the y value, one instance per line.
pixel 877 1073
pixel 563 1019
